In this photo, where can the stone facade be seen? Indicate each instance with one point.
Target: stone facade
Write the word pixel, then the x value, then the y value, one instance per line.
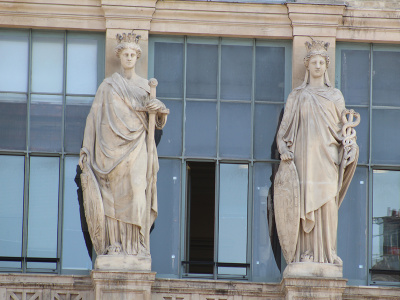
pixel 138 286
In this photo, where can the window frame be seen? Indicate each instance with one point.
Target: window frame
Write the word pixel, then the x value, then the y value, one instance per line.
pixel 27 153
pixel 219 41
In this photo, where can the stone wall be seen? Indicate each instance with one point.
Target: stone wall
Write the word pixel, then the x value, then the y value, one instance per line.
pixel 380 4
pixel 56 287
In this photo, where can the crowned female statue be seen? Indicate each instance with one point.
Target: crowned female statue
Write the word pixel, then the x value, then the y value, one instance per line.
pixel 317 144
pixel 119 159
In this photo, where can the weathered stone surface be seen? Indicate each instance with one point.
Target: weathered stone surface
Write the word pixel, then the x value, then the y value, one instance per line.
pixel 310 269
pixel 123 262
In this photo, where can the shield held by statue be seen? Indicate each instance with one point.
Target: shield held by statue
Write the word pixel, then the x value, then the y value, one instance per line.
pixel 94 210
pixel 287 207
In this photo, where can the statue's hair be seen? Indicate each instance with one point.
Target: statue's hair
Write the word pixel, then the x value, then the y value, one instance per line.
pixel 122 46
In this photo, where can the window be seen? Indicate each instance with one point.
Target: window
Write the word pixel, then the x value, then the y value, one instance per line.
pixel 47 83
pixel 368 76
pixel 225 98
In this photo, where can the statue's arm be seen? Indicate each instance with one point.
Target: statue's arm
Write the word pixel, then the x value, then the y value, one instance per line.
pixel 284 135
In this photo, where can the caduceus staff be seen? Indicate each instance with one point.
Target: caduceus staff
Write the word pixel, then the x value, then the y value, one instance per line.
pixel 350 119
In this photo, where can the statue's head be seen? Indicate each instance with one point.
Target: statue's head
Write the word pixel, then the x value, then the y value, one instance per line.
pixel 316 48
pixel 128 41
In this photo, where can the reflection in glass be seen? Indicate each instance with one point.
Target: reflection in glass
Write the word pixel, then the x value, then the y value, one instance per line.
pixel 81 66
pixel 75 254
pixel 47 62
pixel 385 136
pixel 171 140
pixel 43 207
pixel 202 65
pixel 14 49
pixel 168 69
pixel 353 229
pixel 12 207
pixel 386 225
pixel 232 241
pixel 267 117
pixel 165 237
pixel 355 76
pixel 76 112
pixel 201 128
pixel 270 73
pixel 265 241
pixel 235 130
pixel 13 121
pixel 45 127
pixel 386 79
pixel 236 75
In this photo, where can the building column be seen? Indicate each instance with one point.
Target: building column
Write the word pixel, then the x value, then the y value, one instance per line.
pixel 319 22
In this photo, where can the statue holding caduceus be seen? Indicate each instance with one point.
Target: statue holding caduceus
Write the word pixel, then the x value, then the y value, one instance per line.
pixel 119 159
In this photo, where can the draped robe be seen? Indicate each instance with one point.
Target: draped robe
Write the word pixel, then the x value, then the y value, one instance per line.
pixel 311 130
pixel 115 145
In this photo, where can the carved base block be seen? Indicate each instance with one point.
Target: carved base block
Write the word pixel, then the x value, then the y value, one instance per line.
pixel 311 269
pixel 123 263
pixel 112 285
pixel 313 288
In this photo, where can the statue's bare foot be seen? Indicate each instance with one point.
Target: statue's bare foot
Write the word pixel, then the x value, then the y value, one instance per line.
pixel 337 260
pixel 114 249
pixel 307 257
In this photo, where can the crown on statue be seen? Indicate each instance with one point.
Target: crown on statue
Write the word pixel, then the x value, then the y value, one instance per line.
pixel 128 38
pixel 316 47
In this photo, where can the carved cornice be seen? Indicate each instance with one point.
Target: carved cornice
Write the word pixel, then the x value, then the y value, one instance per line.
pixel 315 19
pixel 73 14
pixel 135 14
pixel 221 19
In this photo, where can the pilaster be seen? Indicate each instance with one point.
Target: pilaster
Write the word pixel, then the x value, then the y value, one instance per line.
pixel 319 22
pixel 114 285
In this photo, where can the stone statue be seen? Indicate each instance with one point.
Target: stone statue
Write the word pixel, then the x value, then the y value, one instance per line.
pixel 119 163
pixel 317 144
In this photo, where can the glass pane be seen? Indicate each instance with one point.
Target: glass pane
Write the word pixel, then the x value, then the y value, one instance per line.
pixel 168 69
pixel 43 207
pixel 171 140
pixel 385 136
pixel 75 253
pixel 76 112
pixel 81 66
pixel 14 53
pixel 46 118
pixel 42 265
pixel 13 121
pixel 235 130
pixel 353 229
pixel 266 248
pixel 267 117
pixel 201 129
pixel 355 76
pixel 386 79
pixel 165 238
pixel 202 66
pixel 12 206
pixel 236 74
pixel 232 239
pixel 270 73
pixel 386 224
pixel 47 62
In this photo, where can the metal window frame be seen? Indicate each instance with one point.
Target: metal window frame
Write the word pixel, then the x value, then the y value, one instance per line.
pixel 28 153
pixel 184 40
pixel 370 165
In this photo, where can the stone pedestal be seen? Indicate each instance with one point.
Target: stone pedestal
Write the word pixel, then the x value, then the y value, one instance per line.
pixel 313 288
pixel 117 285
pixel 125 263
pixel 312 269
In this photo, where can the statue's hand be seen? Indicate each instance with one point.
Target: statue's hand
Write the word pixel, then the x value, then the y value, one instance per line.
pixel 155 105
pixel 82 159
pixel 350 156
pixel 287 155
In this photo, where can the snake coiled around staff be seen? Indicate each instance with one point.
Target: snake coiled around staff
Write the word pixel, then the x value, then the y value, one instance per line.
pixel 348 131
